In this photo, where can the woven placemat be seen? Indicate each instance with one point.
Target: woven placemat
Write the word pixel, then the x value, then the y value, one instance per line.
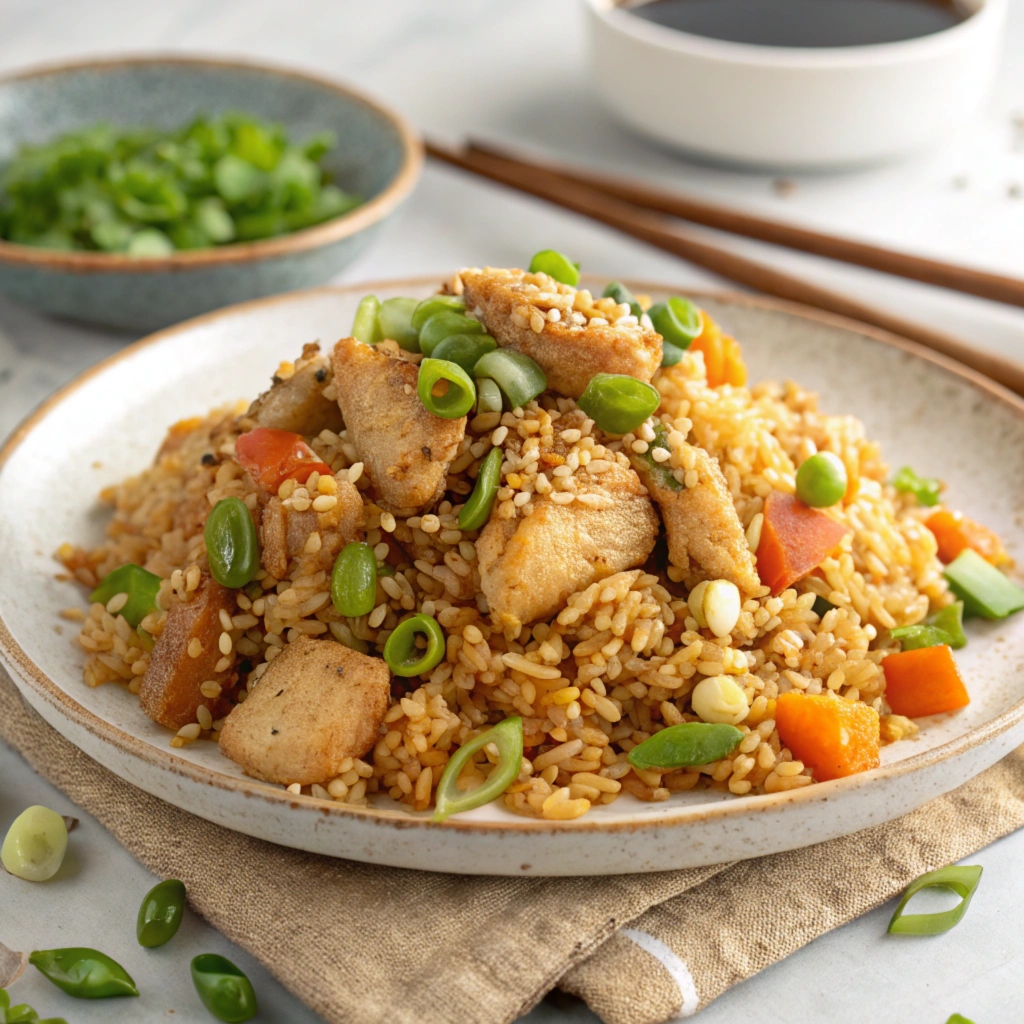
pixel 365 945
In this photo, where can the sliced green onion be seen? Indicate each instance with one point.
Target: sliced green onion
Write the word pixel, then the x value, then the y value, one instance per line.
pixel 443 325
pixel 618 403
pixel 984 590
pixel 445 389
pixel 670 354
pixel 962 880
pixel 464 349
pixel 365 326
pixel 140 585
pixel 951 621
pixel 404 658
pixel 620 293
pixel 488 395
pixel 686 745
pixel 678 321
pixel 821 607
pixel 557 265
pixel 661 472
pixel 959 1018
pixel 395 322
pixel 946 627
pixel 354 580
pixel 436 304
pixel 507 736
pixel 477 509
pixel 925 489
pixel 518 376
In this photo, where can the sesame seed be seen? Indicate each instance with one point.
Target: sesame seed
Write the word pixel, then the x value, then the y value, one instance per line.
pixel 210 689
pixel 327 485
pixel 195 647
pixel 190 731
pixel 661 455
pixel 430 523
pixel 204 717
pixel 499 436
pixel 387 522
pixel 116 603
pixel 225 644
pixel 324 503
pixel 639 446
pixel 355 471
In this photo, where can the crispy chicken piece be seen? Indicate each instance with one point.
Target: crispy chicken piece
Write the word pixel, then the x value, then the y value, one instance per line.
pixel 705 536
pixel 529 566
pixel 297 403
pixel 316 704
pixel 569 353
pixel 405 449
pixel 284 532
pixel 170 688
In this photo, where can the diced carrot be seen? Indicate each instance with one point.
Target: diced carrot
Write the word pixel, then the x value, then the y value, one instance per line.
pixel 794 540
pixel 272 456
pixel 723 358
pixel 954 532
pixel 923 682
pixel 835 737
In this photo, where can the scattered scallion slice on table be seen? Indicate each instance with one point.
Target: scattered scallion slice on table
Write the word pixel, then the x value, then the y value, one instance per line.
pixel 618 403
pixel 477 509
pixel 443 325
pixel 354 580
pixel 464 349
pixel 401 653
pixel 925 489
pixel 984 590
pixel 139 584
pixel 620 293
pixel 445 388
pixel 686 745
pixel 394 319
pixel 518 376
pixel 557 265
pixel 962 880
pixel 507 736
pixel 678 321
pixel 365 325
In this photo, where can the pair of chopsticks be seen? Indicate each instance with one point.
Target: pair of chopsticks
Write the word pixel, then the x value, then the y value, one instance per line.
pixel 652 215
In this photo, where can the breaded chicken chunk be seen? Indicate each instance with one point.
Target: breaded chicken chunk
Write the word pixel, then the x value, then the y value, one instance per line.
pixel 529 566
pixel 317 703
pixel 297 403
pixel 705 536
pixel 405 449
pixel 513 305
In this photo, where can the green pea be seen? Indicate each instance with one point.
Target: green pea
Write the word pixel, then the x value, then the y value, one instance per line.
pixel 436 304
pixel 464 349
pixel 557 265
pixel 354 580
pixel 401 653
pixel 225 991
pixel 140 586
pixel 821 480
pixel 84 973
pixel 395 321
pixel 161 913
pixel 231 545
pixel 477 509
pixel 35 844
pixel 443 325
pixel 686 745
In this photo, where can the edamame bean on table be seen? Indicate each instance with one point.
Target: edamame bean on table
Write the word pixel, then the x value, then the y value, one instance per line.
pixel 532 540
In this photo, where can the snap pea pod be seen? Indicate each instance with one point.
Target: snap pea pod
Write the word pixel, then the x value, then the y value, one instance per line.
pixel 507 736
pixel 401 653
pixel 231 544
pixel 160 914
pixel 140 585
pixel 224 990
pixel 686 745
pixel 477 509
pixel 354 580
pixel 84 973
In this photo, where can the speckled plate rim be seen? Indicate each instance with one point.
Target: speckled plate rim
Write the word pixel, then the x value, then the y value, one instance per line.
pixel 737 807
pixel 240 252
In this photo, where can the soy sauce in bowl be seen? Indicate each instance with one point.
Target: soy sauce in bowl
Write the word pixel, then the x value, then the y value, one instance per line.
pixel 805 23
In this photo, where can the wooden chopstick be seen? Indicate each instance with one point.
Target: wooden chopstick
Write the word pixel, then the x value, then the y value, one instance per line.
pixel 659 231
pixel 750 225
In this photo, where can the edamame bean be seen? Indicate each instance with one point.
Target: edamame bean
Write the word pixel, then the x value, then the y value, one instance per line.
pixel 231 545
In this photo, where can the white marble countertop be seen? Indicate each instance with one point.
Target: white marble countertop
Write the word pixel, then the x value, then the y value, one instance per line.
pixel 516 72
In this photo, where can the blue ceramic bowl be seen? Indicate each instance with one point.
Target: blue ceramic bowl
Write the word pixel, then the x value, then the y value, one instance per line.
pixel 378 157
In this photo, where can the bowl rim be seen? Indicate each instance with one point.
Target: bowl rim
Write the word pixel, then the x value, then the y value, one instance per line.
pixel 333 230
pixel 614 15
pixel 15 655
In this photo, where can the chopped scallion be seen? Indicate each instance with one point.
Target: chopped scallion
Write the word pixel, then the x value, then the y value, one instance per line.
pixel 618 403
pixel 984 590
pixel 557 265
pixel 445 388
pixel 518 376
pixel 924 489
pixel 443 325
pixel 488 395
pixel 620 293
pixel 395 321
pixel 478 508
pixel 962 880
pixel 464 349
pixel 436 304
pixel 678 321
pixel 507 736
pixel 365 326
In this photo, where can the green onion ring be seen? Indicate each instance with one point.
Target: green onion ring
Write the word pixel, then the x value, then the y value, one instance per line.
pixel 464 349
pixel 518 376
pixel 444 324
pixel 436 304
pixel 678 321
pixel 618 403
pixel 394 319
pixel 488 395
pixel 460 395
pixel 557 265
pixel 962 880
pixel 400 648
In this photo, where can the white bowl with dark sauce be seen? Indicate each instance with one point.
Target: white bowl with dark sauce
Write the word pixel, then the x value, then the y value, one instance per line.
pixel 796 84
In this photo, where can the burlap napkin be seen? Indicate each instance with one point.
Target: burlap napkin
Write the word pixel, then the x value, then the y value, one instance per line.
pixel 414 947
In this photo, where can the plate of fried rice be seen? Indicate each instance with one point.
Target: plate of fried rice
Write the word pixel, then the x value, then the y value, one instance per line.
pixel 525 574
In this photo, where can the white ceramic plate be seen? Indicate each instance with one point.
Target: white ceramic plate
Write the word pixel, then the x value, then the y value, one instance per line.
pixel 108 423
